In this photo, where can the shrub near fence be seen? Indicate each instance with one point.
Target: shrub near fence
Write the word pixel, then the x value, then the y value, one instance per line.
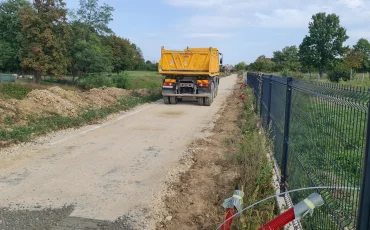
pixel 320 139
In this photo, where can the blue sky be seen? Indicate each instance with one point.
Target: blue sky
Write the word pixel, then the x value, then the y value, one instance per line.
pixel 241 29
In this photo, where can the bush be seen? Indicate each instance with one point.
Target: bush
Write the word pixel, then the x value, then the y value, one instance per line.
pixel 121 81
pixel 95 82
pixel 338 73
pixel 298 75
pixel 285 73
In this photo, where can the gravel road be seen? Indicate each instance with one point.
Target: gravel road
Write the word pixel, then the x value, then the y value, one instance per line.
pixel 106 176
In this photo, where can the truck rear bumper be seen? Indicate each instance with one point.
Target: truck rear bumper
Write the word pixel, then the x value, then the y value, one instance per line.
pixel 186 95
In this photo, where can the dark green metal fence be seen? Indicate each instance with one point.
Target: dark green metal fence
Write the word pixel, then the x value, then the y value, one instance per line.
pixel 319 131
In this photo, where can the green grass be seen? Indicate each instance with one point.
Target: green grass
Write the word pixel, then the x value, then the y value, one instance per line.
pixel 43 125
pixel 143 73
pixel 131 80
pixel 143 80
pixel 14 90
pixel 358 80
pixel 255 171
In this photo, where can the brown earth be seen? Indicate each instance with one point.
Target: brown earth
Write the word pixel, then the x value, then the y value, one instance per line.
pixel 58 101
pixel 195 200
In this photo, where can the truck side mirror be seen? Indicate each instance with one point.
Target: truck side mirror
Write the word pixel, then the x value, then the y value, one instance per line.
pixel 221 61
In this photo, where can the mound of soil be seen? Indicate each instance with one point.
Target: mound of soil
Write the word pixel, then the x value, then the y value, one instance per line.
pixel 104 96
pixel 46 102
pixel 57 101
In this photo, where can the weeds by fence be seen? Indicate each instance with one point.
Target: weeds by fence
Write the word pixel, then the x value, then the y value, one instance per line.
pixel 320 139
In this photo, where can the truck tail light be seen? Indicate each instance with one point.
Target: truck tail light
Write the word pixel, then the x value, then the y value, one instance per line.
pixel 203 83
pixel 169 83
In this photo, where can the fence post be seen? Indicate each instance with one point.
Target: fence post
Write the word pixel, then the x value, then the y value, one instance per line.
pixel 363 221
pixel 284 163
pixel 269 103
pixel 262 92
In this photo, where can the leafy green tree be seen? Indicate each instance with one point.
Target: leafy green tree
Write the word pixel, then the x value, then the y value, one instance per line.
pixel 241 66
pixel 10 33
pixel 44 36
pixel 262 64
pixel 86 51
pixel 95 16
pixel 151 66
pixel 324 42
pixel 121 53
pixel 363 46
pixel 137 57
pixel 353 60
pixel 287 58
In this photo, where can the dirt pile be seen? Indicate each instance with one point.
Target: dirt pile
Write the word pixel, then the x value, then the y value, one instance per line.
pixel 105 97
pixel 40 102
pixel 57 101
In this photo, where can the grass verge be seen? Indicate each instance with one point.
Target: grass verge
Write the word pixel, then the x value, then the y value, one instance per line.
pixel 43 125
pixel 14 90
pixel 255 170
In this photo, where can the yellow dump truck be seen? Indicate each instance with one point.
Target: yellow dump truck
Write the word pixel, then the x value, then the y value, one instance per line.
pixel 190 73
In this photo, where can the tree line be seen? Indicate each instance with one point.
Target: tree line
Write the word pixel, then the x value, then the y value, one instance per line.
pixel 321 51
pixel 44 37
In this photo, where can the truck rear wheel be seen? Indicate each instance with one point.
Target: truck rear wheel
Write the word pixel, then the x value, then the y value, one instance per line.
pixel 201 101
pixel 166 100
pixel 173 100
pixel 207 101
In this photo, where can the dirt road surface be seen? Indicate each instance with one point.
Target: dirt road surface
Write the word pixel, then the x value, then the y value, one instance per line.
pixel 99 174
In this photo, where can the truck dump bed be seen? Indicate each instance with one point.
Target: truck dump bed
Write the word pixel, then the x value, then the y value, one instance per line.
pixel 190 62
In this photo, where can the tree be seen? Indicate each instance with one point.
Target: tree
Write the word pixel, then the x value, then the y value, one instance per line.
pixel 95 16
pixel 137 57
pixel 44 36
pixel 363 46
pixel 121 52
pixel 151 65
pixel 86 51
pixel 241 66
pixel 307 56
pixel 324 43
pixel 287 58
pixel 353 60
pixel 10 33
pixel 262 64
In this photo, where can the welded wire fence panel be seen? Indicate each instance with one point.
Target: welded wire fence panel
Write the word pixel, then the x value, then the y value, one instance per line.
pixel 326 143
pixel 327 133
pixel 265 101
pixel 277 115
pixel 254 81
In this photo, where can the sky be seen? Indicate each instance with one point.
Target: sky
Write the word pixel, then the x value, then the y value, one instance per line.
pixel 241 29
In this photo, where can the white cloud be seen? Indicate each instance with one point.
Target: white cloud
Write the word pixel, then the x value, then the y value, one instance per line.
pixel 270 13
pixel 285 18
pixel 353 3
pixel 208 35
